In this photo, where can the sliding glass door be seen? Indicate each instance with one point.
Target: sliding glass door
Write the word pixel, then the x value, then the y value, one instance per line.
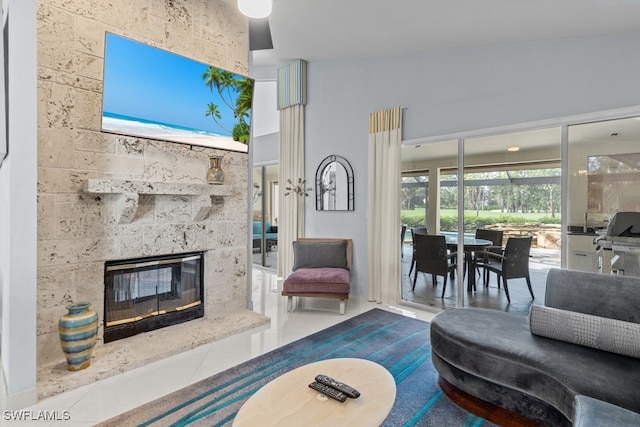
pixel 512 188
pixel 429 199
pixel 559 185
pixel 603 178
pixel 264 226
pixel 508 182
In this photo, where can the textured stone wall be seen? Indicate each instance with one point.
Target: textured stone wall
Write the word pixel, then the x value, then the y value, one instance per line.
pixel 78 231
pixel 545 236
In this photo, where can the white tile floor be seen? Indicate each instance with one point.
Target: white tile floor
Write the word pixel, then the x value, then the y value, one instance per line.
pixel 104 399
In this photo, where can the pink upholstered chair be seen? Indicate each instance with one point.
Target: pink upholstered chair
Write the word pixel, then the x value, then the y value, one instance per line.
pixel 321 269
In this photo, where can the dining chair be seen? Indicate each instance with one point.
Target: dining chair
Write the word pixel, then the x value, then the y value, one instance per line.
pixel 495 236
pixel 432 257
pixel 513 263
pixel 414 231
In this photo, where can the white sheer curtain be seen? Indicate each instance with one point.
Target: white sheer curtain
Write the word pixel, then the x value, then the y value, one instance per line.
pixel 291 224
pixel 385 138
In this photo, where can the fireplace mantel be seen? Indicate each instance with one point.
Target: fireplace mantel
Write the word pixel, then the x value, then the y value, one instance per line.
pixel 130 191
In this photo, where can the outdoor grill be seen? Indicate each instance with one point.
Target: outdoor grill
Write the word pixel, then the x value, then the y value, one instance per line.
pixel 622 239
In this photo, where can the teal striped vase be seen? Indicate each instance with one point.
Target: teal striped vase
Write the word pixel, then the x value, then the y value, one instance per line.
pixel 78 330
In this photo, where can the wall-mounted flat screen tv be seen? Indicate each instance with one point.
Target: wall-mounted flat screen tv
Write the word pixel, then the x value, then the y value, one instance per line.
pixel 151 93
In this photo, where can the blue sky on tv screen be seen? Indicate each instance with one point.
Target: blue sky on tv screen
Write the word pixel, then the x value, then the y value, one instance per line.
pixel 148 83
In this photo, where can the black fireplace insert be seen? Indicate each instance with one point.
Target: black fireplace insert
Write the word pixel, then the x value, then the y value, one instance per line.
pixel 144 294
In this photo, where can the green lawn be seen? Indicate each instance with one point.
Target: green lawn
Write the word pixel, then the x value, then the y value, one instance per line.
pixel 449 218
pixel 484 214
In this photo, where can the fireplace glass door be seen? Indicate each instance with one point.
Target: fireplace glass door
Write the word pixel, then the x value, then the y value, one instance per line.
pixel 146 294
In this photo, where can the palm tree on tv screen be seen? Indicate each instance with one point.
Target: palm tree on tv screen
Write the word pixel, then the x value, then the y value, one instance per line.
pixel 236 93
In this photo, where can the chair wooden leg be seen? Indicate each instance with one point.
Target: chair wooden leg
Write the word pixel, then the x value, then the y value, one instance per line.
pixel 529 285
pixel 289 303
pixel 444 287
pixel 342 306
pixel 506 288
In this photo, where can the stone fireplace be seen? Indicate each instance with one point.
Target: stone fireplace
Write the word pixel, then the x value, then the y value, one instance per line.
pixel 110 198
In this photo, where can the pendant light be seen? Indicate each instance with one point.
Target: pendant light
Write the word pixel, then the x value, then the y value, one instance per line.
pixel 255 8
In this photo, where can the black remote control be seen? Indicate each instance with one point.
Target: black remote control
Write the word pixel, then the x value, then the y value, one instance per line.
pixel 346 389
pixel 328 391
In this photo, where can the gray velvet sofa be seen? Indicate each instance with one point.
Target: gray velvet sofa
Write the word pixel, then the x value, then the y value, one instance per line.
pixel 582 357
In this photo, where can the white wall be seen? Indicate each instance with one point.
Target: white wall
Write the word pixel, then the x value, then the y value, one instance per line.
pixel 18 211
pixel 266 149
pixel 454 91
pixel 265 115
pixel 265 121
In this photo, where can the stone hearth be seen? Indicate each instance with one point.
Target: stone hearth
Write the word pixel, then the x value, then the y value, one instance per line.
pixel 133 352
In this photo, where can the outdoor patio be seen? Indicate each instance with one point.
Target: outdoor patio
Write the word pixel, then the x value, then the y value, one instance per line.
pixel 487 297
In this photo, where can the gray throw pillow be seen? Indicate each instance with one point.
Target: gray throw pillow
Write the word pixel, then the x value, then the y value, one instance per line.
pixel 616 336
pixel 320 254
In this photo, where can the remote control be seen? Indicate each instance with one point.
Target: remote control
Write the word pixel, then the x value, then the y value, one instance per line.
pixel 328 391
pixel 346 389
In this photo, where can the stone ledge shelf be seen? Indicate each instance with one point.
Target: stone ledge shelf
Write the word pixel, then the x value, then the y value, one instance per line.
pixel 130 191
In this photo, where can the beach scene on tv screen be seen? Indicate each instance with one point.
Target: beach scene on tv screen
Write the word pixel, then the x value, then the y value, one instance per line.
pixel 152 93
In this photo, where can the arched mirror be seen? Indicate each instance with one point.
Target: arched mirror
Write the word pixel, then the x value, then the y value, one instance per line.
pixel 334 185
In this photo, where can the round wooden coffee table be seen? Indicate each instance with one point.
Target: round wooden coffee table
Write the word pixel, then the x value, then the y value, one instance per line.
pixel 288 400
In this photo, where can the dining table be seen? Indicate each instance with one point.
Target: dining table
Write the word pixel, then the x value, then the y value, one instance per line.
pixel 471 244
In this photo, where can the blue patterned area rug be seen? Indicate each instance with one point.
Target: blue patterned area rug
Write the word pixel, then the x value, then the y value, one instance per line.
pixel 398 343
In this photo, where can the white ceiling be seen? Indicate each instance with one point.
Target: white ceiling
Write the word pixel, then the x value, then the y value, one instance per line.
pixel 329 29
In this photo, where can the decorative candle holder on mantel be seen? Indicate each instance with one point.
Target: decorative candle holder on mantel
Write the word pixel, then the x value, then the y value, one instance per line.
pixel 215 175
